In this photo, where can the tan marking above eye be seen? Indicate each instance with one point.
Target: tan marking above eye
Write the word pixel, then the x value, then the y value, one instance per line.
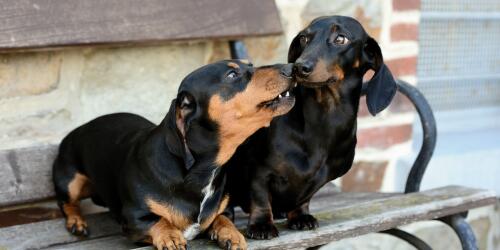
pixel 245 61
pixel 233 65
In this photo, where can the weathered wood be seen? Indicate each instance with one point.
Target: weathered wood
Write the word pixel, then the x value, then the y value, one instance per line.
pixel 340 215
pixel 26 174
pixel 53 232
pixel 26 24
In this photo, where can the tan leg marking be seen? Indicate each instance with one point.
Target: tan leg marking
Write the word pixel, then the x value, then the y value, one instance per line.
pixel 220 210
pixel 164 235
pixel 170 214
pixel 78 188
pixel 226 234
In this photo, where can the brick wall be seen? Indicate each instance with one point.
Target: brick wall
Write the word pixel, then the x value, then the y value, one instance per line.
pixel 384 139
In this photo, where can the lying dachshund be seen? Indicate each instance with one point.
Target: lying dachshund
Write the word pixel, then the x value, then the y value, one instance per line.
pixel 280 168
pixel 165 183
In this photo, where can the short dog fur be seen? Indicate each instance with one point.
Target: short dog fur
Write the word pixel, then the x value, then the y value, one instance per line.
pixel 165 183
pixel 279 168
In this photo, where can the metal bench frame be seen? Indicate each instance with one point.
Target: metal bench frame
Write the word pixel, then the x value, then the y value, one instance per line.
pixel 457 221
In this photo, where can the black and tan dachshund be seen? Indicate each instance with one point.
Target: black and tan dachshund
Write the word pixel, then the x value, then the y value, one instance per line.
pixel 279 169
pixel 165 183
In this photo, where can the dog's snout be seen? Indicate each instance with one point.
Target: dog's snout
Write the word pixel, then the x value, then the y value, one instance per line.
pixel 303 68
pixel 287 70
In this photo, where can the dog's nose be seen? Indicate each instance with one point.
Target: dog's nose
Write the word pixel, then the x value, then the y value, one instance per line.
pixel 303 68
pixel 287 70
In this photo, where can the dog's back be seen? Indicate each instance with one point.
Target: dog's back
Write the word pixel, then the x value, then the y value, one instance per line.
pixel 101 144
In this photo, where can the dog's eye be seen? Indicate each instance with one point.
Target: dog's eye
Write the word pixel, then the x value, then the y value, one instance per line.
pixel 303 40
pixel 341 40
pixel 231 74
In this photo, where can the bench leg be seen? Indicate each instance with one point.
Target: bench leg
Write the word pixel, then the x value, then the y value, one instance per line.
pixel 463 230
pixel 238 50
pixel 410 238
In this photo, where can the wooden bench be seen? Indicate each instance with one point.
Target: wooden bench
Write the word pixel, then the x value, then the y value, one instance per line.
pixel 26 190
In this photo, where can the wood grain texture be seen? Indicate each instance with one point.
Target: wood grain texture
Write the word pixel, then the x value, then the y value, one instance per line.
pixel 26 174
pixel 340 215
pixel 28 24
pixel 53 232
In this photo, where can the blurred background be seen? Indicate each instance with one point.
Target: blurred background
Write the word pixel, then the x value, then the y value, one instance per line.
pixel 450 49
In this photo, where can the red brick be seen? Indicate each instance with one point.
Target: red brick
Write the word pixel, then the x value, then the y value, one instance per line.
pixel 403 66
pixel 364 177
pixel 384 136
pixel 404 32
pixel 399 104
pixel 363 109
pixel 399 5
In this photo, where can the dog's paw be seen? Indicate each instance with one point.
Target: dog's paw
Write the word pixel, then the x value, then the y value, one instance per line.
pixel 303 221
pixel 76 225
pixel 170 240
pixel 262 231
pixel 228 237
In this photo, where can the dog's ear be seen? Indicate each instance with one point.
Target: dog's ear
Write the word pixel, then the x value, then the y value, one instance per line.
pixel 181 114
pixel 295 50
pixel 382 87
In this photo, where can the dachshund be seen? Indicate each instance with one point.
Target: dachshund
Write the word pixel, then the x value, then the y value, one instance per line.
pixel 279 168
pixel 165 184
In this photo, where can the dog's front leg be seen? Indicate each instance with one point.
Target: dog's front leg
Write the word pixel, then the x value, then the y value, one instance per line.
pixel 163 235
pixel 260 223
pixel 226 234
pixel 300 218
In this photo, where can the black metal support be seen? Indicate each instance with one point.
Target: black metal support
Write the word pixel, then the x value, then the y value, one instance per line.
pixel 462 229
pixel 410 238
pixel 429 132
pixel 238 50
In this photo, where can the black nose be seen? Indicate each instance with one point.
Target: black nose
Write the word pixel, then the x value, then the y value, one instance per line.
pixel 304 68
pixel 287 70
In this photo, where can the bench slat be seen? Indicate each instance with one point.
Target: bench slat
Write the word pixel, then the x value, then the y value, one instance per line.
pixel 26 24
pixel 340 215
pixel 26 174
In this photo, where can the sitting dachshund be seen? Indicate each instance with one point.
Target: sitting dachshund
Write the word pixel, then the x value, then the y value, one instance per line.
pixel 165 183
pixel 279 169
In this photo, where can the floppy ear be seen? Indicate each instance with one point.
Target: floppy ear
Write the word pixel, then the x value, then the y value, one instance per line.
pixel 382 87
pixel 295 50
pixel 185 107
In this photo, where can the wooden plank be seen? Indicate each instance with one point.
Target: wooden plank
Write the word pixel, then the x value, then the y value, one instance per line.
pixel 13 237
pixel 26 24
pixel 53 232
pixel 26 174
pixel 340 215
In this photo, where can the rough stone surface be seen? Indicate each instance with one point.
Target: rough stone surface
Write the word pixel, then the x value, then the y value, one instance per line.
pixel 28 73
pixel 138 80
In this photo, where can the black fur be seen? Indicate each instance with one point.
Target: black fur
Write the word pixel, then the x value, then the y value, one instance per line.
pixel 128 159
pixel 280 168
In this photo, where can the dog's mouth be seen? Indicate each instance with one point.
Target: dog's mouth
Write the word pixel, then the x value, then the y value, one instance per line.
pixel 284 98
pixel 310 84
